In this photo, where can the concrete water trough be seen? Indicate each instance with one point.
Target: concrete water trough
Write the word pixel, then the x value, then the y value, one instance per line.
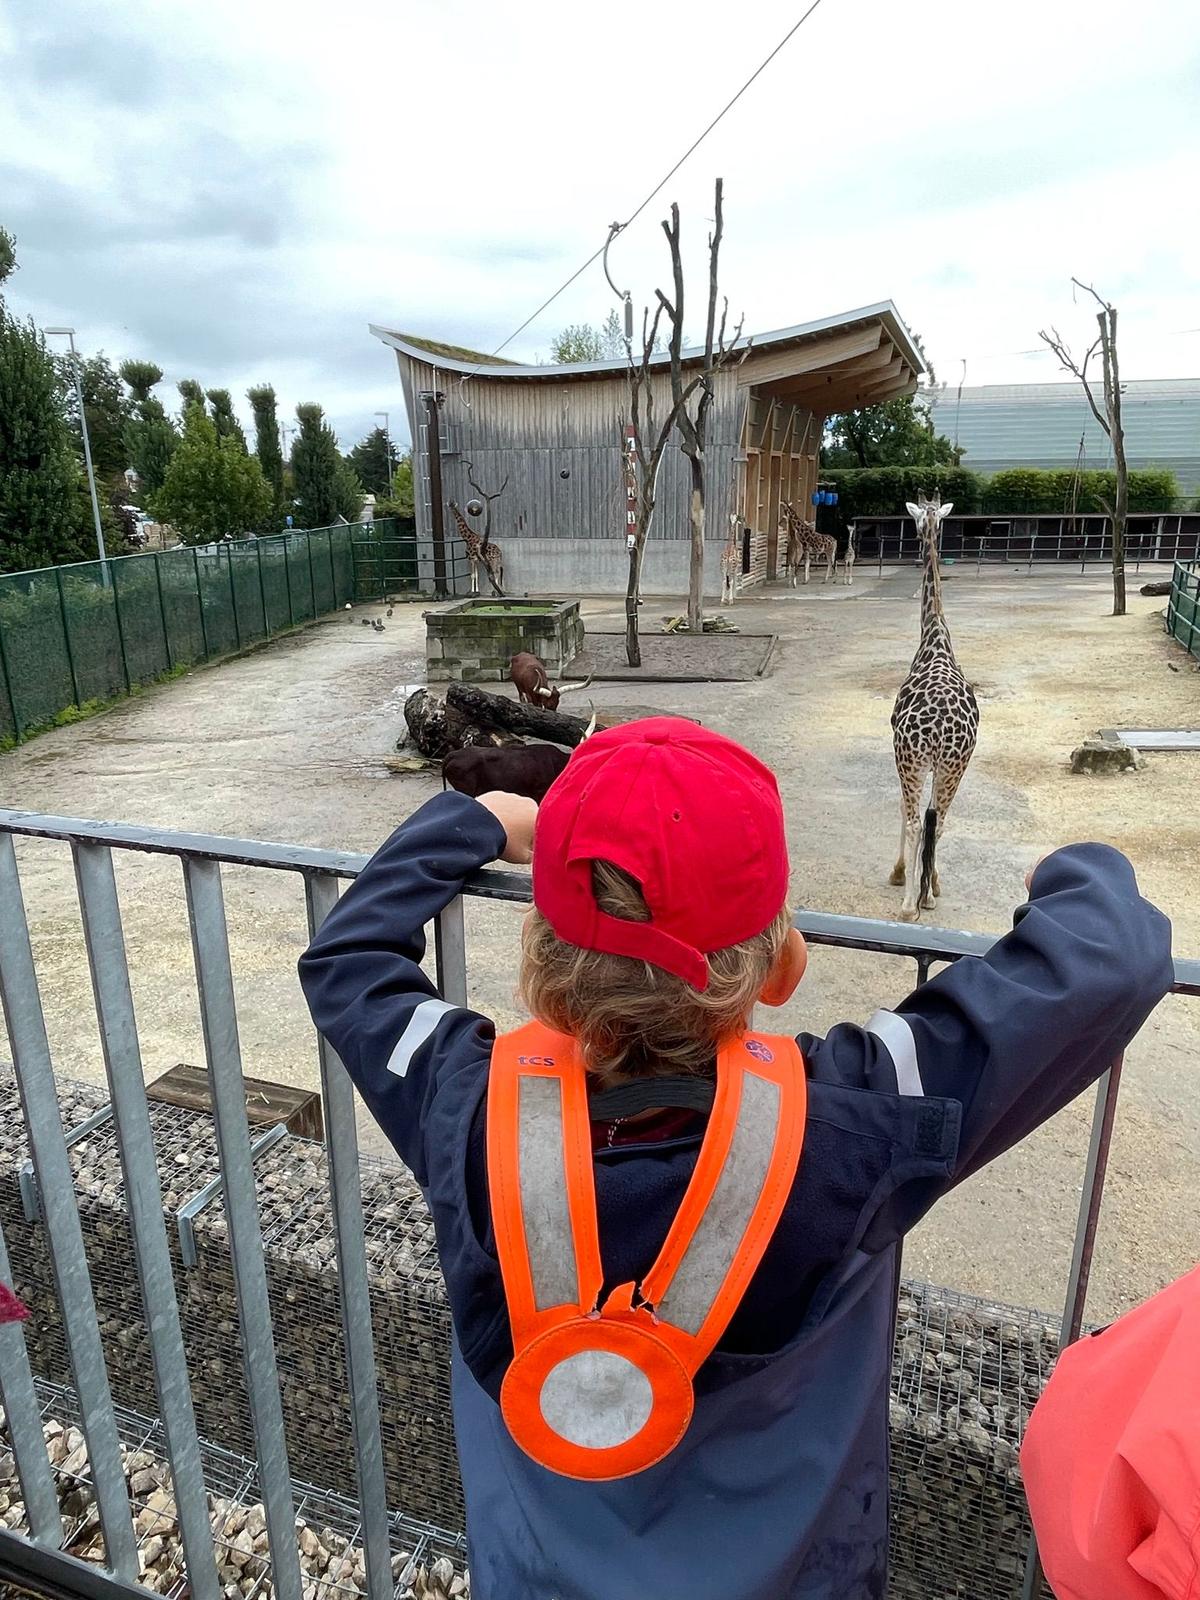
pixel 474 640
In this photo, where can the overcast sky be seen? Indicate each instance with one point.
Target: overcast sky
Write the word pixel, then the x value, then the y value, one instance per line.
pixel 235 190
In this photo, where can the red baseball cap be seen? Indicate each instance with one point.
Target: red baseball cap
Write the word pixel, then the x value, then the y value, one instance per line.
pixel 692 816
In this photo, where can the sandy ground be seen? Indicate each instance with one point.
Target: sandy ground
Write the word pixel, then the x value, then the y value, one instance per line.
pixel 286 745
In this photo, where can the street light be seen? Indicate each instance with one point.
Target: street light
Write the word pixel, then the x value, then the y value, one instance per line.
pixel 69 333
pixel 387 434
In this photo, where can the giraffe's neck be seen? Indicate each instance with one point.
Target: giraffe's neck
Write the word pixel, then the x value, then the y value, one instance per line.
pixel 469 537
pixel 932 617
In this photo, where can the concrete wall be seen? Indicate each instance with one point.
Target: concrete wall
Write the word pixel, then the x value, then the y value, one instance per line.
pixel 601 567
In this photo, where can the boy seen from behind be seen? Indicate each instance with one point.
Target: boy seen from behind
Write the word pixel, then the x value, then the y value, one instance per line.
pixel 671 1242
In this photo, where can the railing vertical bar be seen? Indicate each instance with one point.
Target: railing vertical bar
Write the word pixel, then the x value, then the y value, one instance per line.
pixel 105 941
pixel 1103 1116
pixel 218 1016
pixel 25 1427
pixel 345 1190
pixel 450 948
pixel 44 1130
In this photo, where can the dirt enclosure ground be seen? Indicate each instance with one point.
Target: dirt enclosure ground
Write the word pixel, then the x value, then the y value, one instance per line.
pixel 286 744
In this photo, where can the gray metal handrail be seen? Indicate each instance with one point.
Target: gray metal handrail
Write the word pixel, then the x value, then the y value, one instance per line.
pixel 202 857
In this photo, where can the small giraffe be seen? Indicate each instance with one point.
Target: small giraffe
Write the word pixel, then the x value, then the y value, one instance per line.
pixel 480 551
pixel 935 722
pixel 848 558
pixel 803 540
pixel 731 563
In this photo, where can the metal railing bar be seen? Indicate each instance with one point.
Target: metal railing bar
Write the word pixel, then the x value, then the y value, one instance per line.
pixel 29 1566
pixel 25 1427
pixel 450 949
pixel 495 883
pixel 1103 1118
pixel 105 941
pixel 185 1217
pixel 218 1016
pixel 27 1178
pixel 44 1130
pixel 345 1193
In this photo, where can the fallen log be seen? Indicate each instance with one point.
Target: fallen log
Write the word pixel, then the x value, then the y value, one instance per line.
pixel 1162 586
pixel 436 728
pixel 496 711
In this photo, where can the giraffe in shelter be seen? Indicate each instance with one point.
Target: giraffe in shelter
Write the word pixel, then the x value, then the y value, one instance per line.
pixel 483 552
pixel 803 541
pixel 731 563
pixel 935 722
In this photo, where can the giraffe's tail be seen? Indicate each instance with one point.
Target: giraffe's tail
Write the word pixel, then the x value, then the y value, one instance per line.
pixel 928 846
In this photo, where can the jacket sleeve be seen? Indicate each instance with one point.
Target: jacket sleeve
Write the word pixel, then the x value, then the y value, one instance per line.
pixel 1013 1036
pixel 363 980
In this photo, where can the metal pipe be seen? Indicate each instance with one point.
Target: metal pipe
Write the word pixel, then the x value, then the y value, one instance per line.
pixel 1103 1117
pixel 25 1427
pixel 44 1130
pixel 218 1016
pixel 105 941
pixel 450 945
pixel 433 450
pixel 345 1193
pixel 87 453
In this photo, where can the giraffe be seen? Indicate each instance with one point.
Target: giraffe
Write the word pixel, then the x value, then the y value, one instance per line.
pixel 804 540
pixel 935 722
pixel 731 563
pixel 485 551
pixel 848 558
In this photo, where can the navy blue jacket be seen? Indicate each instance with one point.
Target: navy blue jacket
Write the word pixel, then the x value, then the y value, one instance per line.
pixel 780 1487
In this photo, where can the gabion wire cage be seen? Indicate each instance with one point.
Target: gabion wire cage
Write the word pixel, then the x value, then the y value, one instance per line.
pixel 965 1374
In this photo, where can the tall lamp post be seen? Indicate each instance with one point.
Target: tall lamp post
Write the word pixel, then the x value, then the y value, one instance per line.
pixel 387 434
pixel 69 334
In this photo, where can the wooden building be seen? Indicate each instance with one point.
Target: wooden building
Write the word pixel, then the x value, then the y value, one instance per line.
pixel 552 437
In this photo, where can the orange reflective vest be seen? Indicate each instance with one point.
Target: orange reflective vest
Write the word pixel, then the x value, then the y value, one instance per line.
pixel 601 1391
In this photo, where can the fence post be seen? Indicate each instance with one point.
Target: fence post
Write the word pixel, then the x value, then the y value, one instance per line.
pixel 162 612
pixel 237 627
pixel 287 574
pixel 262 589
pixel 200 601
pixel 312 577
pixel 62 606
pixel 116 594
pixel 333 588
pixel 8 688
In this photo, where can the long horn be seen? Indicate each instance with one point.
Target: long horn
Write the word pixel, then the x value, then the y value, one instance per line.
pixel 570 688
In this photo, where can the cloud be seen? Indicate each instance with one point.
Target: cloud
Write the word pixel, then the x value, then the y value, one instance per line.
pixel 236 190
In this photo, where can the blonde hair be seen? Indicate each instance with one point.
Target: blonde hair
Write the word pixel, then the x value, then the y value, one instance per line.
pixel 633 1019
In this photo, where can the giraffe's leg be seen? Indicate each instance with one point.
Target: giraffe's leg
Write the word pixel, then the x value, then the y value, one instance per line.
pixel 830 556
pixel 898 873
pixel 807 562
pixel 911 786
pixel 474 577
pixel 945 786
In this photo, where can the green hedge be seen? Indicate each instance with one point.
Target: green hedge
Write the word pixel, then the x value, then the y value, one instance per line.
pixel 883 491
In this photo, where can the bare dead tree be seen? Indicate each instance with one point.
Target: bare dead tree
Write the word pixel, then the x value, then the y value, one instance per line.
pixel 486 498
pixel 643 457
pixel 1109 419
pixel 693 424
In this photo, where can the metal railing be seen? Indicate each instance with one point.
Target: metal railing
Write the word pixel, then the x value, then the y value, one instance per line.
pixel 1183 607
pixel 39 1554
pixel 1019 539
pixel 388 562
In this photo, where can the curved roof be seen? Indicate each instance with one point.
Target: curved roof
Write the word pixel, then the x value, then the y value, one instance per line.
pixel 453 358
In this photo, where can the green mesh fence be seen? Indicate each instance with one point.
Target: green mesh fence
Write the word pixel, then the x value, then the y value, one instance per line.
pixel 68 637
pixel 385 557
pixel 1183 608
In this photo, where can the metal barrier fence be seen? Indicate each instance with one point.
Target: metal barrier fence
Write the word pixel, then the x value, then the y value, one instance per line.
pixel 1017 540
pixel 389 559
pixel 69 636
pixel 1183 607
pixel 56 1431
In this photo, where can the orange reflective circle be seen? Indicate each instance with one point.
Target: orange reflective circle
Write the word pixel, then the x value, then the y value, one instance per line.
pixel 597 1398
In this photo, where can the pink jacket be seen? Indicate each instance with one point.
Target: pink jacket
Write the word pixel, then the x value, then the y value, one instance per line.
pixel 11 1309
pixel 1111 1457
